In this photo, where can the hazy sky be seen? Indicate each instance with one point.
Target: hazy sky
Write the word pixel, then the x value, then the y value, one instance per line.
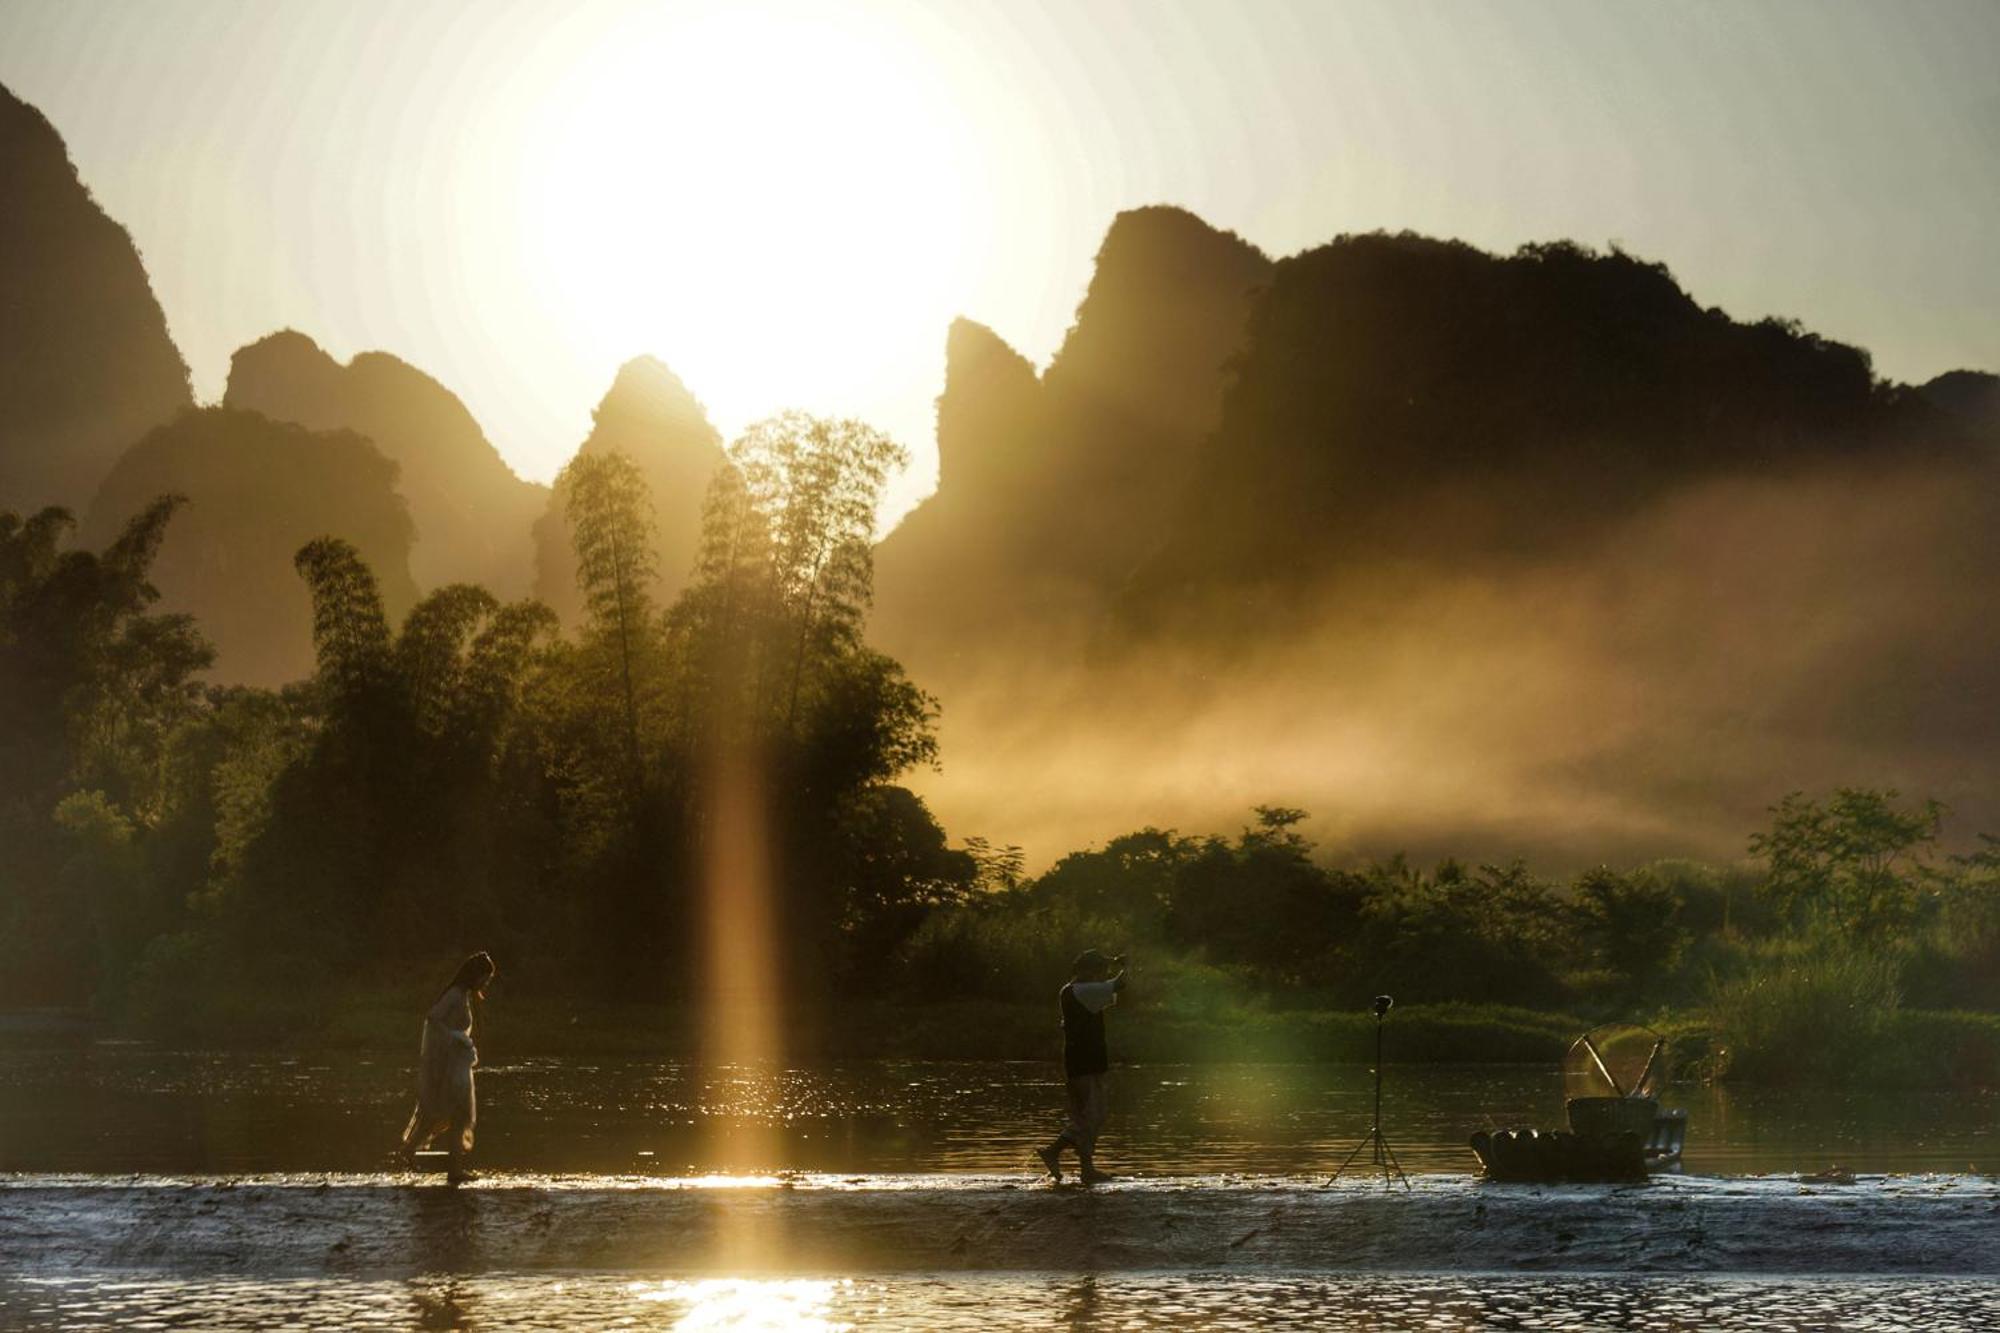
pixel 788 202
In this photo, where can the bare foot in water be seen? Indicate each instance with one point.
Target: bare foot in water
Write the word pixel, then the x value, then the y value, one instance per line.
pixel 1052 1159
pixel 1092 1176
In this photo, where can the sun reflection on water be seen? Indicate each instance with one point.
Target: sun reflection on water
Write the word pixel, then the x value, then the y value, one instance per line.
pixel 797 1305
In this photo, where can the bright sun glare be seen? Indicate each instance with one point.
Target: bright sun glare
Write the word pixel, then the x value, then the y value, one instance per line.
pixel 769 199
pixel 796 1304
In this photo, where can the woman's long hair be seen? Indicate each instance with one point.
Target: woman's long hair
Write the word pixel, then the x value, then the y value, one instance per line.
pixel 473 973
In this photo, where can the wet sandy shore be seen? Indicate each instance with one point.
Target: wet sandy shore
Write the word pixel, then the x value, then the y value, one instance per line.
pixel 385 1226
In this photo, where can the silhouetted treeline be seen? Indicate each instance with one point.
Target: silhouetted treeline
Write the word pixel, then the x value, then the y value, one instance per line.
pixel 227 858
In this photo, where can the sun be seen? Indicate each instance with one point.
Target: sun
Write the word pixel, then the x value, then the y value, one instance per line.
pixel 774 199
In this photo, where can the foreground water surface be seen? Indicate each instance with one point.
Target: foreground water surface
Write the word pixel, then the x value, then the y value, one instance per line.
pixel 119 1108
pixel 1049 1301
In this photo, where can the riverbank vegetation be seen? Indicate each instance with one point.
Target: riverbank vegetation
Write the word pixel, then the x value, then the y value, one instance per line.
pixel 205 863
pixel 1845 950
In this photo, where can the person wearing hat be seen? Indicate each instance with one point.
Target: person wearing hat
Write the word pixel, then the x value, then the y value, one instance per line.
pixel 1094 983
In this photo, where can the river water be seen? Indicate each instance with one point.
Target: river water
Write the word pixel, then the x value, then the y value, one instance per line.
pixel 159 1189
pixel 125 1109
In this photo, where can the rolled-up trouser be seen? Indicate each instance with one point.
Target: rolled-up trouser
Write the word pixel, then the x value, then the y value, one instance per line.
pixel 1086 1104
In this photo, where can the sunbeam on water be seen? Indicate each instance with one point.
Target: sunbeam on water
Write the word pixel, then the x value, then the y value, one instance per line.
pixel 730 1303
pixel 742 1027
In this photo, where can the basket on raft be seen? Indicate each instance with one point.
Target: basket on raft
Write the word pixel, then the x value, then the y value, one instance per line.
pixel 1617 1131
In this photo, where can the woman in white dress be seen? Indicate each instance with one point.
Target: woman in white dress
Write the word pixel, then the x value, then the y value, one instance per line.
pixel 445 1103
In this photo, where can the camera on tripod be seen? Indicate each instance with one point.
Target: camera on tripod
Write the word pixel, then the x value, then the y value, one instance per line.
pixel 1381 1155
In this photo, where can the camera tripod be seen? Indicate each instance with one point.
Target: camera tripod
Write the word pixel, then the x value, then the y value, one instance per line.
pixel 1381 1155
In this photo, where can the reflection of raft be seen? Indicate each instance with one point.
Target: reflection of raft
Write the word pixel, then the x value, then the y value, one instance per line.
pixel 1617 1130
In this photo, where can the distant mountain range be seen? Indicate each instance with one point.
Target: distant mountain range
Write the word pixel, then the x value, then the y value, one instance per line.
pixel 1460 549
pixel 1217 427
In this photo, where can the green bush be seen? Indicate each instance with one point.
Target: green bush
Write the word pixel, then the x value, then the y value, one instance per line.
pixel 1000 951
pixel 1817 1014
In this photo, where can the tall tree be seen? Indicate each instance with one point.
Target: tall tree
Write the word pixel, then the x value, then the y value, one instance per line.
pixel 818 483
pixel 720 623
pixel 430 652
pixel 350 629
pixel 610 513
pixel 497 665
pixel 1855 863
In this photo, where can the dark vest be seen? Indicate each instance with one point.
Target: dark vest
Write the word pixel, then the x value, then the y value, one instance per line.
pixel 1083 1039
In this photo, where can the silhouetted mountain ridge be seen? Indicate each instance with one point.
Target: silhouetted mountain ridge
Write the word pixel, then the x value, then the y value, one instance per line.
pixel 1405 398
pixel 472 513
pixel 1051 488
pixel 1159 318
pixel 983 375
pixel 86 362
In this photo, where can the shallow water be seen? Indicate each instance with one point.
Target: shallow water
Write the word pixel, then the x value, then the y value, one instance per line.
pixel 601 1209
pixel 116 1108
pixel 1054 1301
